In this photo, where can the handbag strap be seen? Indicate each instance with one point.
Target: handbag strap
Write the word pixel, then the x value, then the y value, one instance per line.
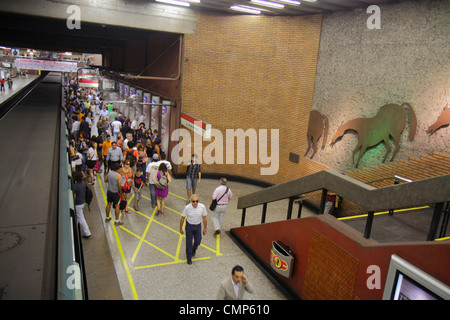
pixel 223 194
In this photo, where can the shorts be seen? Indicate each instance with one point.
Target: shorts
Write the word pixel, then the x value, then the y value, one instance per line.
pixel 137 195
pixel 91 163
pixel 113 197
pixel 191 183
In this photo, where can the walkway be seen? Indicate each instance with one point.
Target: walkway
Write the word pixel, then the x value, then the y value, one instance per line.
pixel 145 257
pixel 149 252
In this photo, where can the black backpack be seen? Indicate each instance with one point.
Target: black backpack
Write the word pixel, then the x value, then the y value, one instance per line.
pixel 130 157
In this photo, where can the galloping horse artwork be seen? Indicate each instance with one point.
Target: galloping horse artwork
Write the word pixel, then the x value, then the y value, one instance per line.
pixel 389 121
pixel 317 125
pixel 442 120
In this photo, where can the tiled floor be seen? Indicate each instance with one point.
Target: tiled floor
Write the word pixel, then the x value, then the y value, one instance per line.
pixel 148 252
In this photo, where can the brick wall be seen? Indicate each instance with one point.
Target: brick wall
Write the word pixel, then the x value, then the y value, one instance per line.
pixel 253 72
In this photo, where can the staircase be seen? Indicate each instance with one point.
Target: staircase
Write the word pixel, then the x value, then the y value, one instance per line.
pixel 384 175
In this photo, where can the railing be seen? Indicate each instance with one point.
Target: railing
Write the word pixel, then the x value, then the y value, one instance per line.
pixel 71 272
pixel 396 177
pixel 435 190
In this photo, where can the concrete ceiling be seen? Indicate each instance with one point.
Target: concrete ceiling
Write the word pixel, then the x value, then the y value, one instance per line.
pixel 45 33
pixel 305 8
pixel 52 34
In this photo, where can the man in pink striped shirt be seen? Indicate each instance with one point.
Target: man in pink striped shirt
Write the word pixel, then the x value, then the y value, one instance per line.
pixel 223 195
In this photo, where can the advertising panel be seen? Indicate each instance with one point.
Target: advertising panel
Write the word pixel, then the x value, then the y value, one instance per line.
pixel 155 113
pixel 146 110
pixel 165 124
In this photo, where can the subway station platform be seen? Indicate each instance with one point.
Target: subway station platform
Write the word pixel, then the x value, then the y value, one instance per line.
pixel 18 84
pixel 145 257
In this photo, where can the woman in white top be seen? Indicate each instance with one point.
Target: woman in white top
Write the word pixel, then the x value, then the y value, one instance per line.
pixel 91 160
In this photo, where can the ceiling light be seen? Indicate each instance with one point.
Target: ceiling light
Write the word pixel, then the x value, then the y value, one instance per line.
pixel 175 2
pixel 291 2
pixel 268 4
pixel 246 9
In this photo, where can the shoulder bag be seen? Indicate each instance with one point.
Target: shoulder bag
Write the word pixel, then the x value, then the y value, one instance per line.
pixel 213 204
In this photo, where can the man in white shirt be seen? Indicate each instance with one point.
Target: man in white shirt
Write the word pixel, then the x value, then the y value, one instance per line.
pixel 194 213
pixel 223 195
pixel 166 162
pixel 116 125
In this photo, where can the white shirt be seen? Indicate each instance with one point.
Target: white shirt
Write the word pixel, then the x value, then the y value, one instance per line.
pixel 194 215
pixel 236 288
pixel 167 163
pixel 75 126
pixel 92 154
pixel 116 125
pixel 104 113
pixel 152 168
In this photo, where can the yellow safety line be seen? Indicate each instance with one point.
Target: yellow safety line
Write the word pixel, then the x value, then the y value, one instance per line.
pixel 382 212
pixel 119 245
pixel 142 240
pixel 185 199
pixel 169 263
pixel 218 245
pixel 147 242
pixel 143 236
pixel 180 240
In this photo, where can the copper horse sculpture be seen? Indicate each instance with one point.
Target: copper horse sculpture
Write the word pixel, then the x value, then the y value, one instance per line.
pixel 442 120
pixel 389 121
pixel 317 125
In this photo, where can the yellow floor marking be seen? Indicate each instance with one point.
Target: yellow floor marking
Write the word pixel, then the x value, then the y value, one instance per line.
pixel 143 240
pixel 148 242
pixel 185 199
pixel 180 240
pixel 169 263
pixel 136 251
pixel 218 245
pixel 119 245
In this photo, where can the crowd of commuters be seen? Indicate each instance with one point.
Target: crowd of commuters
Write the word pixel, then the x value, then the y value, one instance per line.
pixel 120 150
pixel 130 156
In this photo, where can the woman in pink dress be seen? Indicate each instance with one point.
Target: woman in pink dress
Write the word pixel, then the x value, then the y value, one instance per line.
pixel 161 179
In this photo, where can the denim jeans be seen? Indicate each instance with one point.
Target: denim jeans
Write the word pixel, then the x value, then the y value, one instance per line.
pixel 152 188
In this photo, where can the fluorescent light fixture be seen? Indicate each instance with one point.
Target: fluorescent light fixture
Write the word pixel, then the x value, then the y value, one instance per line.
pixel 268 4
pixel 246 9
pixel 291 2
pixel 175 2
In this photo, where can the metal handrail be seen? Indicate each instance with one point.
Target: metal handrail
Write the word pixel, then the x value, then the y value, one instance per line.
pixel 434 190
pixel 389 178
